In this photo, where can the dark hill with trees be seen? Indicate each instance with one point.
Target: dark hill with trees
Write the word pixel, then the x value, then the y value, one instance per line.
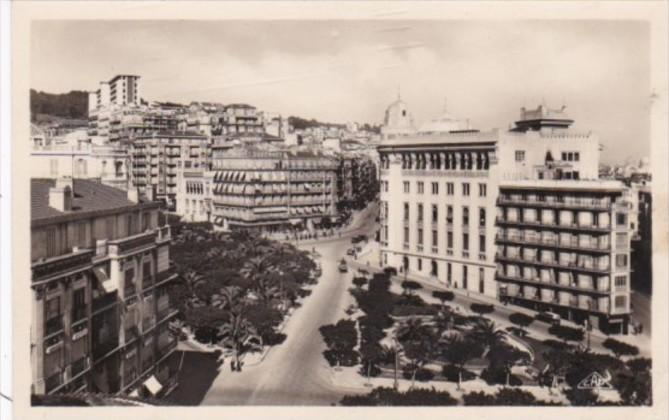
pixel 73 104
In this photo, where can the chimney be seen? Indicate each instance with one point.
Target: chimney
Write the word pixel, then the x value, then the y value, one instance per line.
pixel 133 194
pixel 60 196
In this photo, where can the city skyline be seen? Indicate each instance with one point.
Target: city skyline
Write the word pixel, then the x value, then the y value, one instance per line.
pixel 359 67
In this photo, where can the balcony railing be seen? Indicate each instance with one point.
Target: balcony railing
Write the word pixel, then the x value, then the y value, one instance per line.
pixel 61 264
pixel 552 243
pixel 570 266
pixel 53 325
pixel 104 301
pixel 581 204
pixel 125 245
pixel 551 284
pixel 553 225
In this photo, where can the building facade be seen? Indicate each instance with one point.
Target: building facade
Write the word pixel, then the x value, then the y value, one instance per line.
pixel 272 189
pixel 106 163
pixel 440 190
pixel 194 199
pixel 564 246
pixel 100 308
pixel 157 159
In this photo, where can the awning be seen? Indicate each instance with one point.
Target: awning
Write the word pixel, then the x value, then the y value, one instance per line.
pixel 152 385
pixel 105 283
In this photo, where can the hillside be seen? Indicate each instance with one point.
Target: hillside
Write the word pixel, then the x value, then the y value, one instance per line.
pixel 72 105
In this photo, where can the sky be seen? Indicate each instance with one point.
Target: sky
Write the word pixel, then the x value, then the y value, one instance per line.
pixel 340 71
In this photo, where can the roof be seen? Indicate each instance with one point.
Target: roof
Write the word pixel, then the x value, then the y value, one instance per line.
pixel 171 133
pixel 442 139
pixel 89 196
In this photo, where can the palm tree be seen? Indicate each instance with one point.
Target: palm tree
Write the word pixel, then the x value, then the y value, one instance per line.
pixel 487 334
pixel 239 335
pixel 227 298
pixel 192 279
pixel 458 352
pixel 419 342
pixel 443 320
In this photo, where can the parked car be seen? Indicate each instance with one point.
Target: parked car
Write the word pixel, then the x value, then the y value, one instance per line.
pixel 343 268
pixel 350 252
pixel 549 317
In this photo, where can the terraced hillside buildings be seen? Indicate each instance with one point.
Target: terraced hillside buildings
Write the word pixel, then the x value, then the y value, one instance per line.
pixel 100 308
pixel 445 213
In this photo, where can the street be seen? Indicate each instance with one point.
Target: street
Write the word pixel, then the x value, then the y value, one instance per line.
pixel 295 372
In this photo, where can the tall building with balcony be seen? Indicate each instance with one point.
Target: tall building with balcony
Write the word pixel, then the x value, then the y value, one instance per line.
pixel 272 189
pixel 440 189
pixel 156 159
pixel 564 246
pixel 99 304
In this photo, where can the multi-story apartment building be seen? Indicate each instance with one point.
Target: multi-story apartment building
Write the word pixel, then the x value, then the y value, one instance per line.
pixel 440 189
pixel 156 159
pixel 564 246
pixel 272 189
pixel 99 306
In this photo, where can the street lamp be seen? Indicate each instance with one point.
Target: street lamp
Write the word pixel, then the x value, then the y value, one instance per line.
pixel 397 349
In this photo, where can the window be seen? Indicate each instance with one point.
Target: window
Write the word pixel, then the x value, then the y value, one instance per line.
pixel 435 213
pixel 51 242
pixel 449 239
pixel 81 234
pixel 406 212
pixel 52 308
pixel 465 189
pixel 577 156
pixel 129 276
pixel 621 241
pixel 482 244
pixel 420 264
pixel 146 270
pixel 621 282
pixel 483 190
pixel 420 236
pixel 621 219
pixel 435 188
pixel 435 238
pixel 79 304
pixel 576 175
pixel 109 228
pixel 406 186
pixel 465 216
pixel 621 302
pixel 449 273
pixel 520 156
pixel 420 212
pixel 449 215
pixel 421 187
pixel 406 235
pixel 465 241
pixel 621 261
pixel 482 217
pixel 464 276
pixel 450 188
pixel 481 281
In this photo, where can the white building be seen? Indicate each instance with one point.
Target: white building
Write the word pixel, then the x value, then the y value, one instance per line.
pixel 397 121
pixel 440 189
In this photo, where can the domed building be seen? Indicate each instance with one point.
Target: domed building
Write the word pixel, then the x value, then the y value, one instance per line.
pixel 444 123
pixel 397 121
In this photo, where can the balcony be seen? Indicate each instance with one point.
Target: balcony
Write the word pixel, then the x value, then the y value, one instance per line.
pixel 553 244
pixel 554 264
pixel 79 366
pixel 53 326
pixel 61 265
pixel 552 284
pixel 126 245
pixel 553 226
pixel 590 204
pixel 53 382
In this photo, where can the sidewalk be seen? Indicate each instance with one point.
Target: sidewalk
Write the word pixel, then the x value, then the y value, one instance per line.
pixel 370 262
